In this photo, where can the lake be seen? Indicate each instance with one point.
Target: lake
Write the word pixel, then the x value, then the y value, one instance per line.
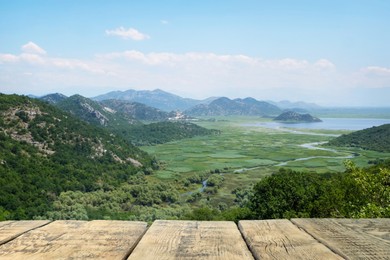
pixel 330 124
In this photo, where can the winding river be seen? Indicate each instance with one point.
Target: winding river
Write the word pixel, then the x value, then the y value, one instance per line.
pixel 329 123
pixel 314 146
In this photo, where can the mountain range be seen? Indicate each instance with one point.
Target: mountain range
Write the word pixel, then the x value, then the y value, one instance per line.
pixel 158 105
pixel 156 98
pixel 125 118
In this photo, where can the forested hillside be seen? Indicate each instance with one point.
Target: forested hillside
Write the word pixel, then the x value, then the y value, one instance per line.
pixel 123 118
pixel 136 110
pixel 162 132
pixel 376 138
pixel 44 151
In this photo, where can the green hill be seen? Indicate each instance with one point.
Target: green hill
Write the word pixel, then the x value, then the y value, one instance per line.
pixel 122 118
pixel 225 107
pixel 162 132
pixel 45 151
pixel 294 117
pixel 376 138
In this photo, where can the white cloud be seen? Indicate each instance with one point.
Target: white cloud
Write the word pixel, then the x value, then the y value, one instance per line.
pixel 191 74
pixel 377 70
pixel 32 58
pixel 164 22
pixel 130 33
pixel 8 58
pixel 31 47
pixel 324 64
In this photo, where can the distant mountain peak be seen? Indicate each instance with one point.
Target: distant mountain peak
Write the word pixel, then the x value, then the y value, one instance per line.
pixel 156 98
pixel 53 98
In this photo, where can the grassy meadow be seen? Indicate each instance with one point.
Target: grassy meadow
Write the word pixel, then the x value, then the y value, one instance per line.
pixel 244 154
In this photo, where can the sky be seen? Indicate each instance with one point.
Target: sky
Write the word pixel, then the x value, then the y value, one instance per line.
pixel 333 52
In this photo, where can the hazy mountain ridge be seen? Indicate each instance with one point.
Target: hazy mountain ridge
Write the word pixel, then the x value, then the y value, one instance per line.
pixel 159 99
pixel 224 107
pixel 299 105
pixel 156 98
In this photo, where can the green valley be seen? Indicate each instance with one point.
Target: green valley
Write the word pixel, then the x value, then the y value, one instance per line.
pixel 55 166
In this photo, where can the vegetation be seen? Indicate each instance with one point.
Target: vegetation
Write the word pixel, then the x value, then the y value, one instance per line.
pixel 226 107
pixel 122 118
pixel 357 193
pixel 375 138
pixel 294 117
pixel 55 166
pixel 44 152
pixel 163 132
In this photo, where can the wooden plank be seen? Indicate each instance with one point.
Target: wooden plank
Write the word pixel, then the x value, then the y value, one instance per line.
pixel 280 239
pixel 352 239
pixel 76 239
pixel 378 227
pixel 192 240
pixel 12 229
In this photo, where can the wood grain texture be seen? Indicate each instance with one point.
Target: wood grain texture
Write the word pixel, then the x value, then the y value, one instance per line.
pixel 12 229
pixel 192 240
pixel 281 239
pixel 352 239
pixel 76 240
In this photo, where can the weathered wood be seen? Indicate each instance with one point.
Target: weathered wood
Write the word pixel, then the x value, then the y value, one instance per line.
pixel 76 239
pixel 192 240
pixel 280 239
pixel 12 229
pixel 352 239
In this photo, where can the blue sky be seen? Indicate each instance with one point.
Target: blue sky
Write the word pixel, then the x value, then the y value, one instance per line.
pixel 328 52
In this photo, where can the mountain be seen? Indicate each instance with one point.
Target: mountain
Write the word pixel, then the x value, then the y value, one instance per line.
pixel 53 98
pixel 95 113
pixel 294 117
pixel 156 98
pixel 45 151
pixel 224 107
pixel 376 138
pixel 296 106
pixel 122 118
pixel 142 112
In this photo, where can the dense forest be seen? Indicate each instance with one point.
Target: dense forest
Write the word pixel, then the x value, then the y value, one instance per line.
pixel 375 138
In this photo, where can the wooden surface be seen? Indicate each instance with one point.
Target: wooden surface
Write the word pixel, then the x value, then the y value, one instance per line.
pixel 12 229
pixel 259 239
pixel 192 240
pixel 76 240
pixel 281 239
pixel 351 238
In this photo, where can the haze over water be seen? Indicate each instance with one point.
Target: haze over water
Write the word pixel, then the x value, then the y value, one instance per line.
pixel 331 124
